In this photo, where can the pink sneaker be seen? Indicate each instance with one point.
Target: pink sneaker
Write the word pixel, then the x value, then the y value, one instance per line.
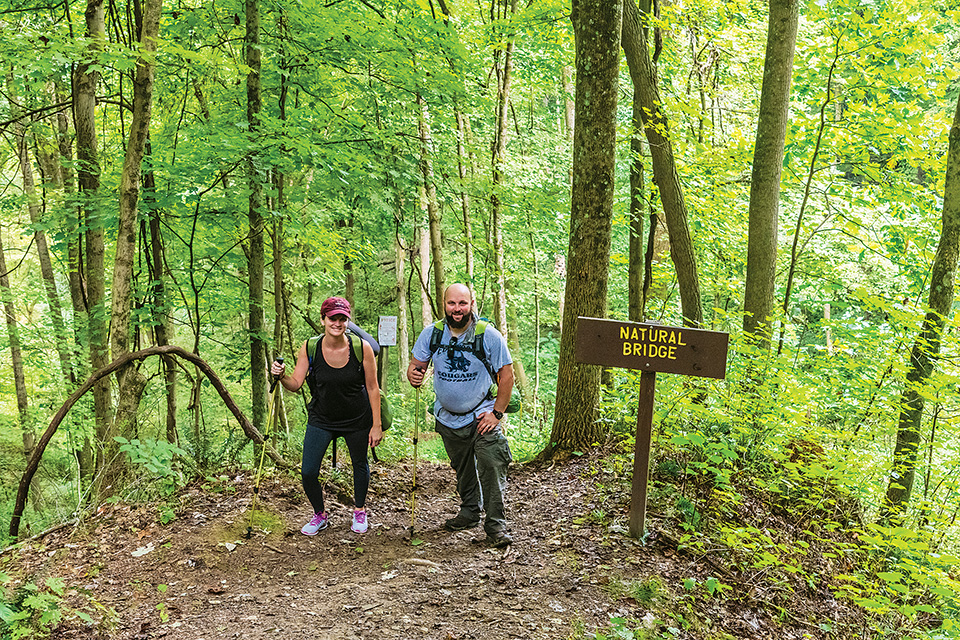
pixel 317 522
pixel 359 522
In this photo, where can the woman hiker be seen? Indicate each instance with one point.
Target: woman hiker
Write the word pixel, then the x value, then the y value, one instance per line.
pixel 346 403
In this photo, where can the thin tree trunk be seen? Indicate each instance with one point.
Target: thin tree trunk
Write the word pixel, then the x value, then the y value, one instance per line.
pixel 16 357
pixel 926 348
pixel 462 159
pixel 399 262
pixel 433 208
pixel 255 262
pixel 504 82
pixel 644 75
pixel 535 391
pixel 597 26
pixel 569 91
pixel 637 212
pixel 161 325
pixel 64 178
pixel 426 308
pixel 767 168
pixel 808 185
pixel 60 337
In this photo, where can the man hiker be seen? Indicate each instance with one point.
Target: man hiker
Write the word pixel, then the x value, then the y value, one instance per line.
pixel 470 363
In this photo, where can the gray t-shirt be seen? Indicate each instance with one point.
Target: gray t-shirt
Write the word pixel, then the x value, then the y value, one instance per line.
pixel 460 379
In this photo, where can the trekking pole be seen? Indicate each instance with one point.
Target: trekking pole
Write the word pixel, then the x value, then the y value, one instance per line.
pixel 416 440
pixel 274 411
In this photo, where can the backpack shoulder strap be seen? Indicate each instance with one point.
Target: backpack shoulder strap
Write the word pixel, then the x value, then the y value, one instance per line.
pixel 356 343
pixel 312 344
pixel 478 350
pixel 436 336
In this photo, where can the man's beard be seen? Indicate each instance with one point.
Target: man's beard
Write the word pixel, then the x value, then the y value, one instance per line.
pixel 458 325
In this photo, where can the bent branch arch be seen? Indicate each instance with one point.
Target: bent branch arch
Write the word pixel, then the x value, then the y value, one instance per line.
pixel 122 361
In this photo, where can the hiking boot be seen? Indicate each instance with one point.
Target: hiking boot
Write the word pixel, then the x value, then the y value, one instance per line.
pixel 498 540
pixel 317 522
pixel 359 522
pixel 460 523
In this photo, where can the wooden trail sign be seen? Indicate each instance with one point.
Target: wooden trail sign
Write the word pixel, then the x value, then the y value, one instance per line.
pixel 650 348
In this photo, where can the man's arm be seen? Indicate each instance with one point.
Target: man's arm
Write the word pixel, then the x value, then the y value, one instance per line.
pixel 487 422
pixel 416 371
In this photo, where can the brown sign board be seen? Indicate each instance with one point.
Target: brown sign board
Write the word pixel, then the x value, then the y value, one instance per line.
pixel 651 347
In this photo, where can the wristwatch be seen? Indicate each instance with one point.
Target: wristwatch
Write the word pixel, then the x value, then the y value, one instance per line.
pixel 497 414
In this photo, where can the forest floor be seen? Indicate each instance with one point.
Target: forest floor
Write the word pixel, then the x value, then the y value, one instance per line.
pixel 566 576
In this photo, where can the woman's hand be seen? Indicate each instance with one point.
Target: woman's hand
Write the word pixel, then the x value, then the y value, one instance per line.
pixel 376 435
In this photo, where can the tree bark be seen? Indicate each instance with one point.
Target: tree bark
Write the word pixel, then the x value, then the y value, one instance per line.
pixel 433 208
pixel 462 159
pixel 92 274
pixel 16 357
pixel 656 127
pixel 66 180
pixel 597 26
pixel 399 262
pixel 426 307
pixel 256 259
pixel 131 382
pixel 504 81
pixel 926 348
pixel 767 168
pixel 162 328
pixel 638 208
pixel 61 339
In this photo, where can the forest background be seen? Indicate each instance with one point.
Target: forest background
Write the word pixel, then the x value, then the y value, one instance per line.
pixel 203 174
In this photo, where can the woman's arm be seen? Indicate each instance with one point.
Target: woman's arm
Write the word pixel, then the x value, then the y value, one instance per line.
pixel 294 381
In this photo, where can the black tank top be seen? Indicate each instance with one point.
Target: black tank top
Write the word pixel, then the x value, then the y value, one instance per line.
pixel 340 401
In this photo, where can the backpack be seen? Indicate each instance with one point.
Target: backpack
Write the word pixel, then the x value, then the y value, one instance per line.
pixel 478 352
pixel 356 343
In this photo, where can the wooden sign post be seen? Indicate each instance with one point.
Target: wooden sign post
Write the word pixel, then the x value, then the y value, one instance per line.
pixel 649 348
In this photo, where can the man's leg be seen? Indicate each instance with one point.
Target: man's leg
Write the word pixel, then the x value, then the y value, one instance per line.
pixel 459 446
pixel 493 458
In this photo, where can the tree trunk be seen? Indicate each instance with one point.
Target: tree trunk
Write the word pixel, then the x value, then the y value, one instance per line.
pixel 16 357
pixel 433 208
pixel 597 25
pixel 426 308
pixel 60 337
pixel 462 159
pixel 131 382
pixel 86 460
pixel 504 80
pixel 637 212
pixel 256 259
pixel 926 348
pixel 656 127
pixel 92 275
pixel 162 328
pixel 569 111
pixel 399 262
pixel 767 167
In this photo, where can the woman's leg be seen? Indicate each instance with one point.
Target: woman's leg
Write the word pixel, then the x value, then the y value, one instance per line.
pixel 315 443
pixel 357 443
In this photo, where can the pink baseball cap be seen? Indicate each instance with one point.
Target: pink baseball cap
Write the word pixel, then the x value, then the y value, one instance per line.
pixel 335 306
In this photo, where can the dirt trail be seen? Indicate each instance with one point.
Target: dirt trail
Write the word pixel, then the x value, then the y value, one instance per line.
pixel 197 578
